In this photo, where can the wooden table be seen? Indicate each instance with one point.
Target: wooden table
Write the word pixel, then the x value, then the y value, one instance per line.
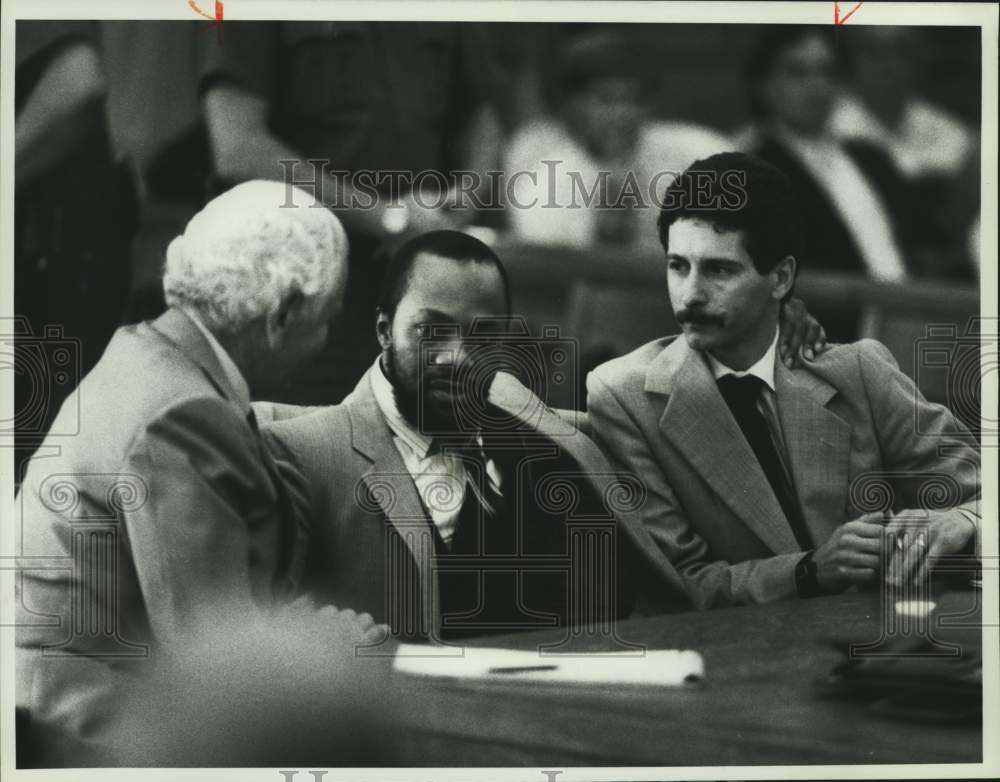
pixel 759 704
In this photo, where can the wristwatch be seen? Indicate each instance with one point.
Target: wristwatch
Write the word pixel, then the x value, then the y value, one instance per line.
pixel 806 582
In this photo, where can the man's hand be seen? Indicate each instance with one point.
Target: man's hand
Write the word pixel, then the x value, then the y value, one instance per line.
pixel 799 329
pixel 852 555
pixel 944 534
pixel 327 623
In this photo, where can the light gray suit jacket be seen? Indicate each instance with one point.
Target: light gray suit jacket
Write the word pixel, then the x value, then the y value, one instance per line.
pixel 859 437
pixel 347 479
pixel 162 515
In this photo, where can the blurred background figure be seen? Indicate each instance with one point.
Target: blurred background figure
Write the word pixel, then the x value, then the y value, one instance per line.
pixel 883 107
pixel 75 217
pixel 858 214
pixel 593 168
pixel 194 111
pixel 377 97
pixel 930 146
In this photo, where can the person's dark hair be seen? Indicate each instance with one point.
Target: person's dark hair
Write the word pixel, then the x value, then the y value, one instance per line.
pixel 769 47
pixel 454 245
pixel 734 191
pixel 588 53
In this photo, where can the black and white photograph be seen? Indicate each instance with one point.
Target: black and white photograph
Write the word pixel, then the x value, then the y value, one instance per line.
pixel 509 390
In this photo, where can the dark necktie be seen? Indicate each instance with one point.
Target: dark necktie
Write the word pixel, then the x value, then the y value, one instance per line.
pixel 741 395
pixel 480 506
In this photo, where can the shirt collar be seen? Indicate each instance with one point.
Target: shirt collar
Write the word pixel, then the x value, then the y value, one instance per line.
pixel 235 378
pixel 764 368
pixel 419 443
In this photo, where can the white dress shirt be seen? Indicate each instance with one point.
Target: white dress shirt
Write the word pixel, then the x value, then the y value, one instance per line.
pixel 440 477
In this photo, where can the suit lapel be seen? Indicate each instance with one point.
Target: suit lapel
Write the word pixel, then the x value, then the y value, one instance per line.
pixel 390 485
pixel 699 424
pixel 179 329
pixel 819 447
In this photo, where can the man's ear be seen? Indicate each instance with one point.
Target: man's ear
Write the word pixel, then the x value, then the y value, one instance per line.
pixel 278 319
pixel 783 277
pixel 383 329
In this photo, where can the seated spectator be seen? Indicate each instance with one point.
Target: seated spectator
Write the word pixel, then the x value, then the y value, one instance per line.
pixel 929 146
pixel 601 147
pixel 857 212
pixel 883 108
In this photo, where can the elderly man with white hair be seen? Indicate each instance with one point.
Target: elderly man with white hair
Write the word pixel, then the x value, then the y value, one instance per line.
pixel 165 515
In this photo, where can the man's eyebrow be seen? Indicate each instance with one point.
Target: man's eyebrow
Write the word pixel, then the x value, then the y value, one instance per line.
pixel 722 259
pixel 712 259
pixel 435 315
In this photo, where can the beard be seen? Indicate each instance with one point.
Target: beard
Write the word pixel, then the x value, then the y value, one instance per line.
pixel 416 403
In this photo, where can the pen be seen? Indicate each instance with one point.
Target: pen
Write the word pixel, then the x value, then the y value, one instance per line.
pixel 523 669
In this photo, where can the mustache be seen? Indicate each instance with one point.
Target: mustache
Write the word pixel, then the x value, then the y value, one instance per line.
pixel 698 317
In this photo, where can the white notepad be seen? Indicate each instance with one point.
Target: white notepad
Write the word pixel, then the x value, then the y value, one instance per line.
pixel 666 667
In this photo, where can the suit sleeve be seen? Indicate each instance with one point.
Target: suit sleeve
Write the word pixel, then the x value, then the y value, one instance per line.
pixel 272 412
pixel 922 440
pixel 709 582
pixel 199 552
pixel 292 469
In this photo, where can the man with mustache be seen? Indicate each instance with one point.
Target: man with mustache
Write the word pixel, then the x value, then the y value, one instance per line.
pixel 442 496
pixel 755 472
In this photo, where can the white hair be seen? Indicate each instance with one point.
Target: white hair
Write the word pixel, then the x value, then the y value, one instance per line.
pixel 250 249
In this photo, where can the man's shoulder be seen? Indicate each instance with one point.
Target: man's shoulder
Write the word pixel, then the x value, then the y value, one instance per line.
pixel 141 379
pixel 629 371
pixel 319 425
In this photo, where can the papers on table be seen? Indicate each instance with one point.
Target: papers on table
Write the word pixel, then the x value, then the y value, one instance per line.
pixel 665 667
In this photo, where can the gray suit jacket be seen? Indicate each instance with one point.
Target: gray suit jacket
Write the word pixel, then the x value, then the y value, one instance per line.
pixel 161 515
pixel 347 479
pixel 859 437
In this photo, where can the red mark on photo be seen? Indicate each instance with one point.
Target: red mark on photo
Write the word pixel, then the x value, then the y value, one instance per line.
pixel 217 18
pixel 837 18
pixel 218 10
